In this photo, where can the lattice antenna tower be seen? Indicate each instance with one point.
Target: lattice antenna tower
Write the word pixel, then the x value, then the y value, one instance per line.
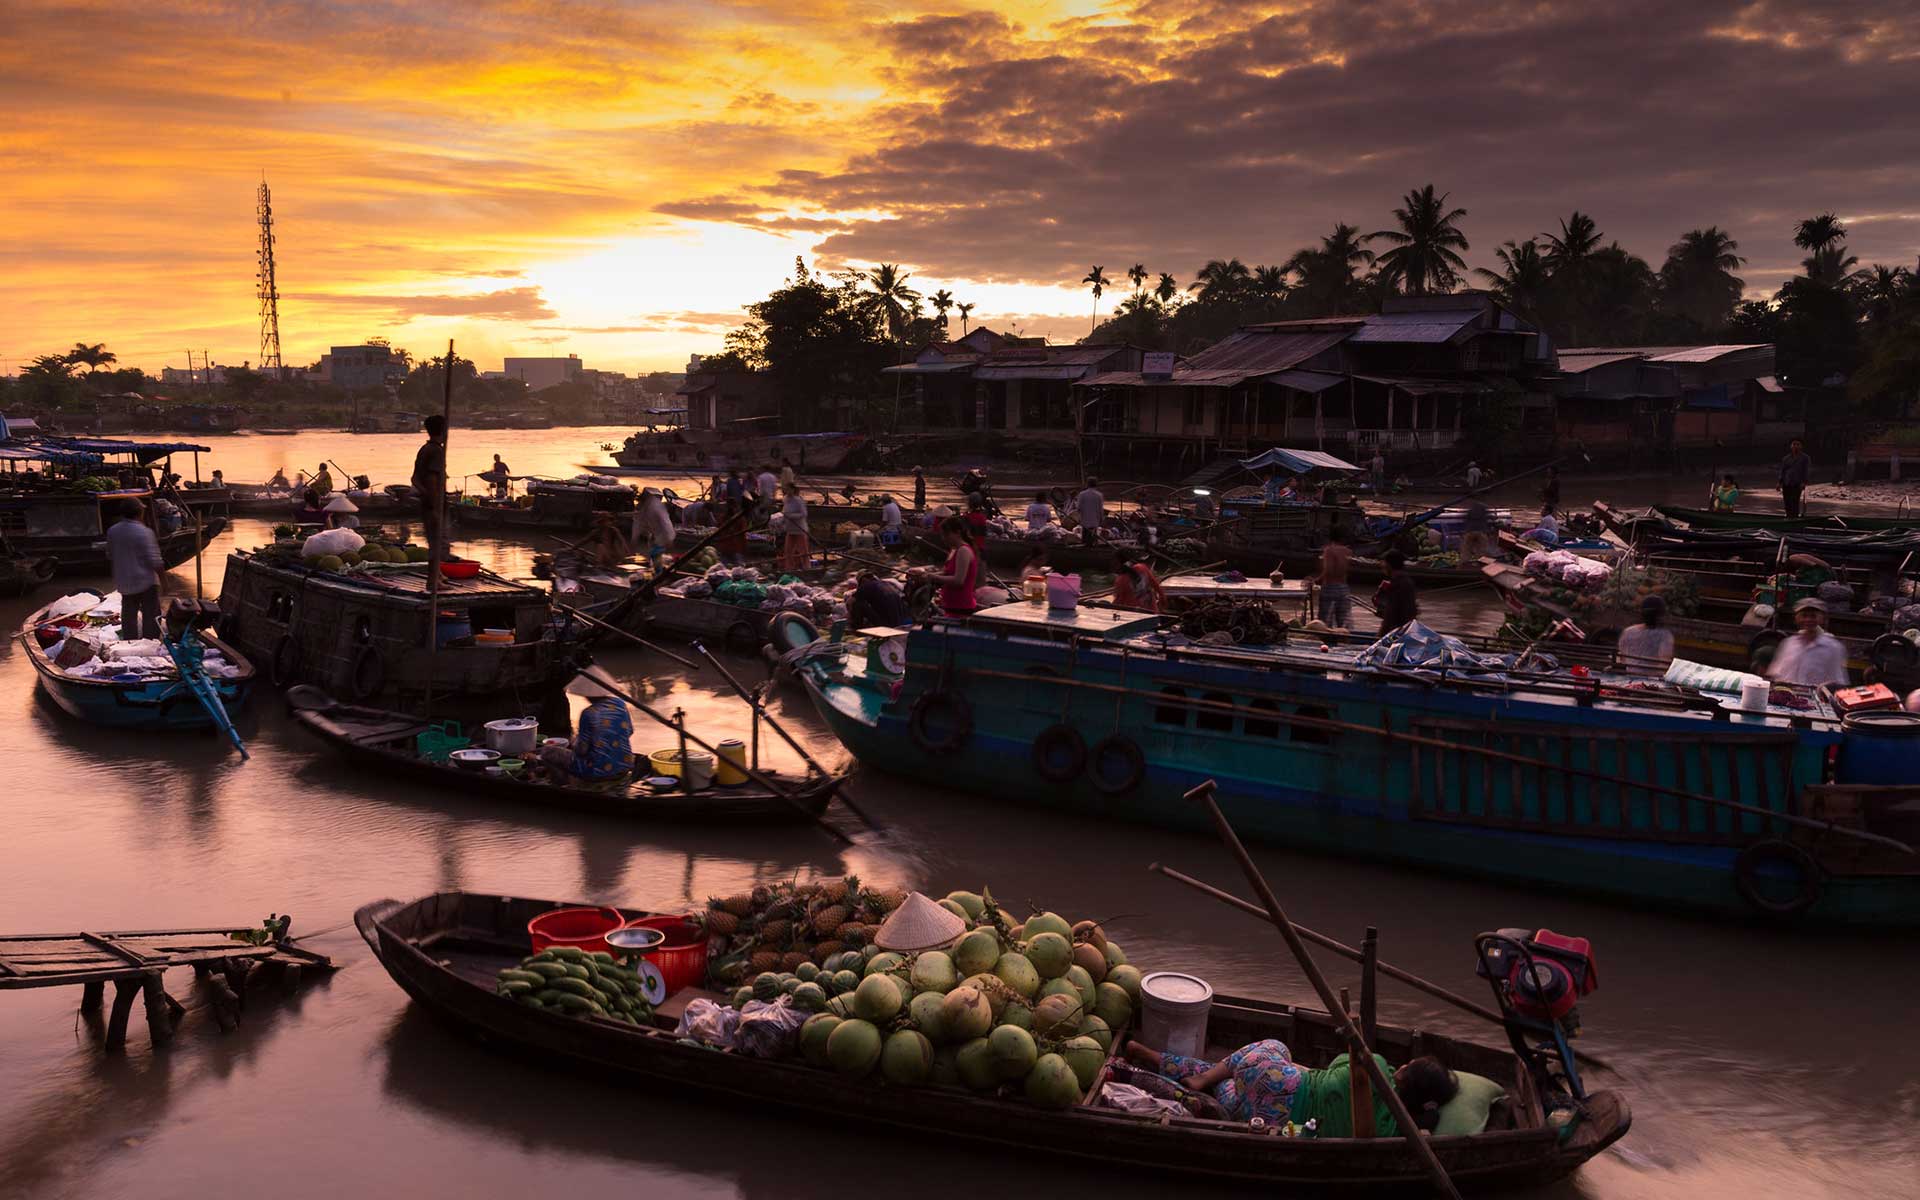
pixel 269 293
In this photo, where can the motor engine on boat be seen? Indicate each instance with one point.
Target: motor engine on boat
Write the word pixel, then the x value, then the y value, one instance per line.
pixel 1539 978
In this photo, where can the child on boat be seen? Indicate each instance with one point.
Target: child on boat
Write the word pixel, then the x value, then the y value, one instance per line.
pixel 1262 1080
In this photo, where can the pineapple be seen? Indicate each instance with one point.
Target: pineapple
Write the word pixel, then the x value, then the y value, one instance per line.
pixel 791 960
pixel 722 923
pixel 739 904
pixel 827 921
pixel 855 936
pixel 891 899
pixel 763 961
pixel 826 950
pixel 777 932
pixel 835 890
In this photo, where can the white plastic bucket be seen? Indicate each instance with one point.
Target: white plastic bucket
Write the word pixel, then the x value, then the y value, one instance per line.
pixel 513 735
pixel 1173 1012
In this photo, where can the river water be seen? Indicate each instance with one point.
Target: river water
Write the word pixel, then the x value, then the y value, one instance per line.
pixel 1759 1063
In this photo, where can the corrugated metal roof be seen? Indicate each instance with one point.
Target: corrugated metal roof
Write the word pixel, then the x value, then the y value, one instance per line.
pixel 1578 362
pixel 1308 381
pixel 936 368
pixel 1297 461
pixel 1067 371
pixel 1431 328
pixel 1769 383
pixel 1666 354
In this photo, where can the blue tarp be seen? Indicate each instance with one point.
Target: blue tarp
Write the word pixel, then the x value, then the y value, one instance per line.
pixel 1715 397
pixel 1298 462
pixel 116 446
pixel 23 451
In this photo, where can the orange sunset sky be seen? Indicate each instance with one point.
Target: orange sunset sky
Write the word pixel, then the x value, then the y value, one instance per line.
pixel 616 180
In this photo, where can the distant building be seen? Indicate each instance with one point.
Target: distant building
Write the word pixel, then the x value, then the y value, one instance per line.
pixel 541 373
pixel 1661 399
pixel 992 382
pixel 200 376
pixel 369 366
pixel 727 399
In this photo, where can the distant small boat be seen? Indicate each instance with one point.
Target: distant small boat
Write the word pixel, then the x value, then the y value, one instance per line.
pixel 1707 518
pixel 136 700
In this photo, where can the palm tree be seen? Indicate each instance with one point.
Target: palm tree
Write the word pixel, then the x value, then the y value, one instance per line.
pixel 1698 278
pixel 1097 281
pixel 1569 257
pixel 1817 233
pixel 1327 271
pixel 1269 287
pixel 888 300
pixel 1221 280
pixel 963 310
pixel 1138 274
pixel 1425 257
pixel 1166 289
pixel 941 300
pixel 1521 281
pixel 1881 290
pixel 1830 265
pixel 92 357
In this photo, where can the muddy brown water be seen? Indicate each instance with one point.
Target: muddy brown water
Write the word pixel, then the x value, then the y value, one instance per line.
pixel 1759 1063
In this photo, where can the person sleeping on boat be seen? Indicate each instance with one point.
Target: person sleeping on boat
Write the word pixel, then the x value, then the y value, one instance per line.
pixel 1262 1080
pixel 602 746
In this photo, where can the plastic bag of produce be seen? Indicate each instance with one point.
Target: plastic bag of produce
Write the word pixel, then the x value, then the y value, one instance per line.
pixel 770 1030
pixel 332 541
pixel 1837 595
pixel 710 1022
pixel 1906 617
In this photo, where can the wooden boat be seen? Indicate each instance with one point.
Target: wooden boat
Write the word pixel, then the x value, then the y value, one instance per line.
pixel 70 528
pixel 552 504
pixel 1707 518
pixel 21 573
pixel 742 448
pixel 383 740
pixel 444 951
pixel 133 703
pixel 1603 785
pixel 1009 553
pixel 393 501
pixel 372 631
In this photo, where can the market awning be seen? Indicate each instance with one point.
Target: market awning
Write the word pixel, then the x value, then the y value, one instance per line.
pixel 36 452
pixel 1299 462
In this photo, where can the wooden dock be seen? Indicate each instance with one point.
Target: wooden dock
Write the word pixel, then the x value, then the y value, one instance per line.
pixel 135 963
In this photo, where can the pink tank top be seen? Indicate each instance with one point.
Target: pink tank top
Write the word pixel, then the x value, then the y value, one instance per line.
pixel 957 599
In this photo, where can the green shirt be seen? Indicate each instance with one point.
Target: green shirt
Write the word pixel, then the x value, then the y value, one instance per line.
pixel 1326 1097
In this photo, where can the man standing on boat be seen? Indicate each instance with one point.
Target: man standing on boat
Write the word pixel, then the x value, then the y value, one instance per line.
pixel 767 487
pixel 134 554
pixel 653 525
pixel 1336 597
pixel 1377 468
pixel 919 489
pixel 1813 656
pixel 430 482
pixel 1091 504
pixel 1795 469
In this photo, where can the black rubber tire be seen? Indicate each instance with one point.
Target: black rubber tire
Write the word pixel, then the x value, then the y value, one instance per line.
pixel 283 666
pixel 1059 754
pixel 1746 877
pixel 1766 639
pixel 741 639
pixel 923 714
pixel 1133 764
pixel 368 676
pixel 786 627
pixel 1892 653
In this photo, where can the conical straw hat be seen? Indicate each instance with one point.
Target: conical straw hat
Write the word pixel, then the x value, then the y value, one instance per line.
pixel 919 924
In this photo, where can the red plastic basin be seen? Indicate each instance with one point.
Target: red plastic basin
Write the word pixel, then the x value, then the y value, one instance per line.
pixel 682 958
pixel 586 928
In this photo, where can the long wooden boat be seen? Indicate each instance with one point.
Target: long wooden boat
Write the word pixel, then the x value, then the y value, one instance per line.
pixel 1739 518
pixel 21 573
pixel 705 450
pixel 445 950
pixel 71 527
pixel 252 500
pixel 382 740
pixel 1604 785
pixel 152 704
pixel 552 504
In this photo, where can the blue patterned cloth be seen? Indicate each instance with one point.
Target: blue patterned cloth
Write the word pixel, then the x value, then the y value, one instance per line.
pixel 603 748
pixel 1262 1082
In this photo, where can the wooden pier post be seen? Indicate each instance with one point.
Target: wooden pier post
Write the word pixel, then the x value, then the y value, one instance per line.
pixel 91 995
pixel 124 991
pixel 159 1016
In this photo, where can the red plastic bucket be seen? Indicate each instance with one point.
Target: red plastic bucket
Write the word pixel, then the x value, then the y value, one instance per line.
pixel 586 928
pixel 682 958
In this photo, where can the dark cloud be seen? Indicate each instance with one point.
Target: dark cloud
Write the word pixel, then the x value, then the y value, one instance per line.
pixel 508 304
pixel 1195 130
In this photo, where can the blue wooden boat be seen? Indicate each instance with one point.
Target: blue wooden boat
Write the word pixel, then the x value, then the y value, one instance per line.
pixel 135 703
pixel 1594 785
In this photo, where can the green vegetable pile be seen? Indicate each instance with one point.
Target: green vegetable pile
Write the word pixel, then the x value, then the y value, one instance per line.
pixel 570 980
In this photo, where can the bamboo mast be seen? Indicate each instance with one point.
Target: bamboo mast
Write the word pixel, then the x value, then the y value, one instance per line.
pixel 439 537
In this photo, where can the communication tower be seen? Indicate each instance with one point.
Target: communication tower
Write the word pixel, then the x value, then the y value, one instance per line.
pixel 269 293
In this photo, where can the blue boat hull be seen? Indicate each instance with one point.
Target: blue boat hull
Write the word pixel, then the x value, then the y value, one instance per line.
pixel 1350 792
pixel 141 706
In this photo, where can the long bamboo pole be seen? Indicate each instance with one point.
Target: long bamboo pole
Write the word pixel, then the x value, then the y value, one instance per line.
pixel 439 538
pixel 635 638
pixel 1382 1085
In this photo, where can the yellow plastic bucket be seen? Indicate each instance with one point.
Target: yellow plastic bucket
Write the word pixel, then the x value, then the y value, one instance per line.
pixel 730 771
pixel 699 771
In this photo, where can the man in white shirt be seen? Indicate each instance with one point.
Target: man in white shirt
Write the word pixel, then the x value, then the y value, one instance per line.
pixel 1039 513
pixel 890 519
pixel 767 485
pixel 1813 656
pixel 1091 505
pixel 134 554
pixel 1473 475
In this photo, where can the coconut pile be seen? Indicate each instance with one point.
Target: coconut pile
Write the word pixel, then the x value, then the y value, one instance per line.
pixel 1000 1005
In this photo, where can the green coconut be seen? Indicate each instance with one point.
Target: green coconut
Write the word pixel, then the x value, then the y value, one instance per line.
pixel 877 998
pixel 853 1047
pixel 971 902
pixel 1085 1056
pixel 1112 1005
pixel 1052 1084
pixel 975 1065
pixel 1058 1016
pixel 1047 922
pixel 416 554
pixel 814 1035
pixel 1097 1029
pixel 965 1013
pixel 1088 958
pixel 1127 976
pixel 1018 1015
pixel 976 953
pixel 332 562
pixel 1013 1051
pixel 1016 971
pixel 1088 931
pixel 933 972
pixel 946 1070
pixel 1078 977
pixel 907 1058
pixel 883 962
pixel 925 1011
pixel 1058 987
pixel 1050 953
pixel 352 558
pixel 845 981
pixel 810 996
pixel 1115 956
pixel 841 1005
pixel 989 985
pixel 954 907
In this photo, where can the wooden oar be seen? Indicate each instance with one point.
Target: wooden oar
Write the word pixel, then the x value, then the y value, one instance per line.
pixel 1382 1084
pixel 1348 952
pixel 835 785
pixel 606 681
pixel 635 638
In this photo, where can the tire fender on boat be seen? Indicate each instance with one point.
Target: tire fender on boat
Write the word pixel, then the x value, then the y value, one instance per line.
pixel 1059 753
pixel 788 631
pixel 925 709
pixel 1766 639
pixel 368 675
pixel 285 660
pixel 1891 652
pixel 1778 858
pixel 1116 765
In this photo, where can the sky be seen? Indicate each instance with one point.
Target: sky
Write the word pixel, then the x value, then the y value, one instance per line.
pixel 617 180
